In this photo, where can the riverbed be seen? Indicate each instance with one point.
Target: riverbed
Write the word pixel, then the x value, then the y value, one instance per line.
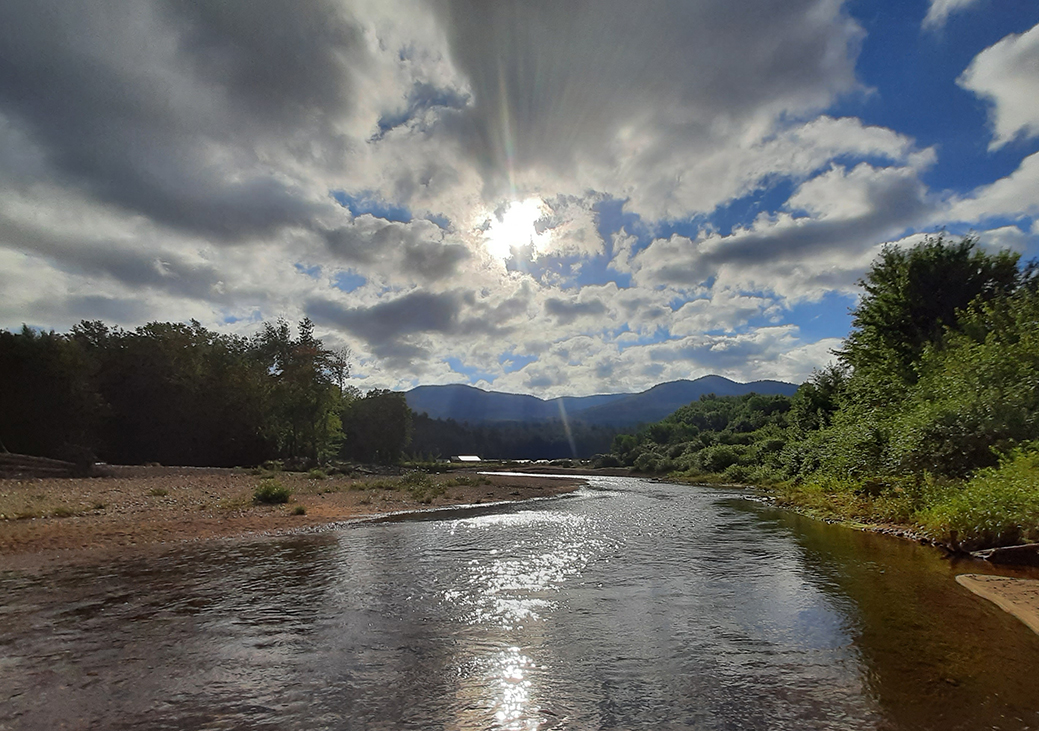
pixel 628 604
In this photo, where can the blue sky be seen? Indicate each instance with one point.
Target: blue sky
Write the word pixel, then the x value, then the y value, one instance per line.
pixel 548 198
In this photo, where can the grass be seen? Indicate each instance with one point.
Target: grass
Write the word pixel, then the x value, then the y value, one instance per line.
pixel 316 474
pixel 420 486
pixel 158 492
pixel 271 492
pixel 299 510
pixel 999 506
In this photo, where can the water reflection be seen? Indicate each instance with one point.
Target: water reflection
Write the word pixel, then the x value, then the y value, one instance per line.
pixel 633 605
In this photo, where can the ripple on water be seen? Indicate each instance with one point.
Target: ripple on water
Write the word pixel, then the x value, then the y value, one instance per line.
pixel 628 605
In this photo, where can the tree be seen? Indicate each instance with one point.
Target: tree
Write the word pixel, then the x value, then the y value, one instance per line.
pixel 307 390
pixel 818 398
pixel 48 403
pixel 378 427
pixel 913 295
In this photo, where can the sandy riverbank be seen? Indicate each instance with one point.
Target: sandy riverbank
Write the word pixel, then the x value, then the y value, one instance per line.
pixel 1019 597
pixel 54 518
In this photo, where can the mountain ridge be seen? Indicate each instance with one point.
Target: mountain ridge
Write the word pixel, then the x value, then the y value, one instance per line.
pixel 465 403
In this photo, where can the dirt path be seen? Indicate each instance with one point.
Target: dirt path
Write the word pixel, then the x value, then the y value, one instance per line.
pixel 56 517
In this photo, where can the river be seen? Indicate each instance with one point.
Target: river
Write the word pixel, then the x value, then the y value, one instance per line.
pixel 626 605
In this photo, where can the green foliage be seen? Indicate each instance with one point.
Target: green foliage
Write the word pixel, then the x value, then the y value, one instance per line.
pixel 913 295
pixel 316 474
pixel 299 510
pixel 999 506
pixel 509 440
pixel 306 390
pixel 421 487
pixel 49 405
pixel 271 492
pixel 818 399
pixel 710 437
pixel 179 394
pixel 378 427
pixel 937 384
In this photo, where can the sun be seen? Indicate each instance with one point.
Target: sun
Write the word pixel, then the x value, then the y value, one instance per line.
pixel 516 227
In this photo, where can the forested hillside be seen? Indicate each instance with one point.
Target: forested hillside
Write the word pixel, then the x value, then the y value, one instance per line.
pixel 183 395
pixel 930 415
pixel 466 404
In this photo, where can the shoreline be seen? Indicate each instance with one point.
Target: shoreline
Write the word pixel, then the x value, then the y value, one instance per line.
pixel 56 520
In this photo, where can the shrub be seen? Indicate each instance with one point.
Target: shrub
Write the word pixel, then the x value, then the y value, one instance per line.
pixel 271 492
pixel 316 474
pixel 719 457
pixel 299 510
pixel 998 507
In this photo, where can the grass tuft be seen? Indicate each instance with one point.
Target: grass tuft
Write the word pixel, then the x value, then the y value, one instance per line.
pixel 271 492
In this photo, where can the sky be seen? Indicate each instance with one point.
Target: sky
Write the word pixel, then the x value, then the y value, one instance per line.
pixel 555 198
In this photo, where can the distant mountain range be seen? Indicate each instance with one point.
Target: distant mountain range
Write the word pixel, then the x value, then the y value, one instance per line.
pixel 473 405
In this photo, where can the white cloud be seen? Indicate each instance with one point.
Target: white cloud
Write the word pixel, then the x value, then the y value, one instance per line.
pixel 1007 74
pixel 940 10
pixel 797 257
pixel 1015 195
pixel 177 161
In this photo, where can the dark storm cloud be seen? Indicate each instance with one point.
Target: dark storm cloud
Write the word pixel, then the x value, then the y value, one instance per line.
pixel 159 107
pixel 550 78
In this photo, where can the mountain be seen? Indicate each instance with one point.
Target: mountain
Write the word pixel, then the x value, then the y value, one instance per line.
pixel 663 399
pixel 473 405
pixel 466 403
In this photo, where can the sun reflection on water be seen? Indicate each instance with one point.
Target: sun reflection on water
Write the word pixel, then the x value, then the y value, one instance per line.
pixel 513 690
pixel 512 589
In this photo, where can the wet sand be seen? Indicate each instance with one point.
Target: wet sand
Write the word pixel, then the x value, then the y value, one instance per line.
pixel 1020 597
pixel 55 519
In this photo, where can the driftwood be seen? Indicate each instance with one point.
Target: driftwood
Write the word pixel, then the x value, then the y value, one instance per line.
pixel 24 465
pixel 1026 555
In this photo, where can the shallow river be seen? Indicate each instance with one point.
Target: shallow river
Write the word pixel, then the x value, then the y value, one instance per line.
pixel 628 605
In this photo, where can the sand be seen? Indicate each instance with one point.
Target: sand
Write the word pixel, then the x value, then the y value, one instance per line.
pixel 1020 597
pixel 57 519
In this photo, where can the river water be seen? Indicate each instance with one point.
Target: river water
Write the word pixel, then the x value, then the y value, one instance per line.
pixel 626 605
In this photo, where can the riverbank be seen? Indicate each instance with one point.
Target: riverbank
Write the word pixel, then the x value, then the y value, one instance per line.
pixel 138 506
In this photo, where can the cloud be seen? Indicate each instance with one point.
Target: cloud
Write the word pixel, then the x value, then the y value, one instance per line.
pixel 797 256
pixel 173 109
pixel 418 248
pixel 567 312
pixel 1007 75
pixel 1014 196
pixel 940 10
pixel 584 90
pixel 166 159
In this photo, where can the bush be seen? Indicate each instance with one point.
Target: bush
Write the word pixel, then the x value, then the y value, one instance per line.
pixel 737 473
pixel 998 507
pixel 299 510
pixel 316 474
pixel 271 492
pixel 647 462
pixel 719 457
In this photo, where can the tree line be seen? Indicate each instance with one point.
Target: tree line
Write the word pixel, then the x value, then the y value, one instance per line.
pixel 928 416
pixel 552 439
pixel 180 394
